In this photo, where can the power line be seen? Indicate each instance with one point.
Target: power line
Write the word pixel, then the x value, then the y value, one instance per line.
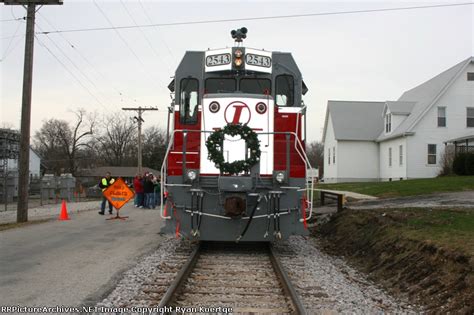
pixel 159 35
pixel 15 19
pixel 144 35
pixel 71 73
pixel 74 47
pixel 70 60
pixel 4 56
pixel 125 42
pixel 256 18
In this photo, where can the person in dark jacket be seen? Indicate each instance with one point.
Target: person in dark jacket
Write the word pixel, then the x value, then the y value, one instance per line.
pixel 149 190
pixel 104 183
pixel 138 187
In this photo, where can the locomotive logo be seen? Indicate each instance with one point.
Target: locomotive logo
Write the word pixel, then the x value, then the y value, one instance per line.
pixel 237 112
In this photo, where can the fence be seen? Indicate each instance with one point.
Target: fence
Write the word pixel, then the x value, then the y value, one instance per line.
pixel 46 190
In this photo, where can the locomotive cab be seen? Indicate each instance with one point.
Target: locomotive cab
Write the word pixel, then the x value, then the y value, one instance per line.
pixel 235 168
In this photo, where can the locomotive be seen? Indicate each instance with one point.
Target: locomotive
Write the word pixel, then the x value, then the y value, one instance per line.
pixel 235 168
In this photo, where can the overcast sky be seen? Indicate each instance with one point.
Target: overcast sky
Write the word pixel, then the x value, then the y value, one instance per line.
pixel 364 56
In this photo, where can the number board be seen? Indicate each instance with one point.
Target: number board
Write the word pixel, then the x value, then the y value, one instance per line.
pixel 218 60
pixel 118 193
pixel 258 60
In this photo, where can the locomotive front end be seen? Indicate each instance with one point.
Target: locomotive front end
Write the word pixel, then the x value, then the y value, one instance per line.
pixel 235 168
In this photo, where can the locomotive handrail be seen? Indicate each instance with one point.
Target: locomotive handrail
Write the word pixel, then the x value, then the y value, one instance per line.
pixel 298 148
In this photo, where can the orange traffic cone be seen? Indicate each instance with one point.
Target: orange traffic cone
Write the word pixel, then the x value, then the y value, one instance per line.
pixel 165 211
pixel 63 215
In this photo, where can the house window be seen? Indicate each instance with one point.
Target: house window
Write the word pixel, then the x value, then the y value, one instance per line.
pixel 431 153
pixel 441 116
pixel 329 156
pixel 470 76
pixel 388 122
pixel 400 155
pixel 389 156
pixel 334 155
pixel 470 117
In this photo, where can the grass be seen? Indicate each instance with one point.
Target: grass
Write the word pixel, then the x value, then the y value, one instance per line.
pixel 411 187
pixel 452 229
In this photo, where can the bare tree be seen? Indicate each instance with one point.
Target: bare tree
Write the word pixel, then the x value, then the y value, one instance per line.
pixel 49 145
pixel 315 153
pixel 447 159
pixel 154 147
pixel 117 140
pixel 60 144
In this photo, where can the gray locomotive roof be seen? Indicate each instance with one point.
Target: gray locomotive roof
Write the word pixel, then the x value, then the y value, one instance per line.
pixel 351 120
pixel 424 96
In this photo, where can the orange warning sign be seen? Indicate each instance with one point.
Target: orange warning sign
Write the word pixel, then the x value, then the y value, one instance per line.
pixel 118 193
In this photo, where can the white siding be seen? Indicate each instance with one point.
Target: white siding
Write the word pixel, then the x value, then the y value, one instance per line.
pixel 35 163
pixel 330 169
pixel 397 120
pixel 459 96
pixel 396 171
pixel 357 161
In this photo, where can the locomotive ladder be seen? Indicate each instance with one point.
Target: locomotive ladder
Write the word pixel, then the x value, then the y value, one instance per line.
pixel 248 278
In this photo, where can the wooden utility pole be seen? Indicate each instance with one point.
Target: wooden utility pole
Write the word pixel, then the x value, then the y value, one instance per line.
pixel 24 160
pixel 139 120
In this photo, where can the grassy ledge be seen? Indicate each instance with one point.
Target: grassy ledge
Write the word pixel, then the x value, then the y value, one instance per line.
pixel 410 187
pixel 424 255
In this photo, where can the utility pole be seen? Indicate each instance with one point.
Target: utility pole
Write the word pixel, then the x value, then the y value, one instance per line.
pixel 24 160
pixel 139 120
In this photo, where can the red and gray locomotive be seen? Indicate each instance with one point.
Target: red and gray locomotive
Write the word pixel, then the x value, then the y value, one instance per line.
pixel 235 167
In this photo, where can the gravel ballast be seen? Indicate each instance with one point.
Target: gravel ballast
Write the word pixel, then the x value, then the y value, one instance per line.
pixel 325 283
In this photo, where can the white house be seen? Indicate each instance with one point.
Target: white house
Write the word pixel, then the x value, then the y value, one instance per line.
pixel 35 164
pixel 394 140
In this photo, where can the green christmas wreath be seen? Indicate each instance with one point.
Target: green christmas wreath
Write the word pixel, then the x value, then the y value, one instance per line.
pixel 215 143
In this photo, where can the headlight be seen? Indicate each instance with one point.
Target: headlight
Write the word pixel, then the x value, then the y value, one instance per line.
pixel 192 175
pixel 280 177
pixel 238 62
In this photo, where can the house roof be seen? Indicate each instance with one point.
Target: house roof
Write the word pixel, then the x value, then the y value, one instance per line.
pixel 469 136
pixel 424 96
pixel 116 171
pixel 400 108
pixel 355 120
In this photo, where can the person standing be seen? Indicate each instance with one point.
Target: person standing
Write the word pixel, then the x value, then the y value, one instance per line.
pixel 138 187
pixel 104 183
pixel 149 192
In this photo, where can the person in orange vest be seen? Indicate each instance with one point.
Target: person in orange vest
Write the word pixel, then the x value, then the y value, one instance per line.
pixel 104 183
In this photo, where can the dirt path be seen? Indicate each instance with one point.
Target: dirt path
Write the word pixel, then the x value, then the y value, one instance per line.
pixel 462 199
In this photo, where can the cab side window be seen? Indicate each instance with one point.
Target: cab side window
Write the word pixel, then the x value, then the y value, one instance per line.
pixel 284 90
pixel 189 99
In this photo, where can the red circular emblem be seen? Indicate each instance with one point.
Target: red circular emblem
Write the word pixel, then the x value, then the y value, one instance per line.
pixel 237 112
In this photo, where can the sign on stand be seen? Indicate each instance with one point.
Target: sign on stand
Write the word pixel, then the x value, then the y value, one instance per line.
pixel 118 194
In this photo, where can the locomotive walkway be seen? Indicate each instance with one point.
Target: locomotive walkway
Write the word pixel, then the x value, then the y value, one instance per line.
pixel 73 262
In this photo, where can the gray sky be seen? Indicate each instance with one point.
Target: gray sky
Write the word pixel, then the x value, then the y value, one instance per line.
pixel 366 56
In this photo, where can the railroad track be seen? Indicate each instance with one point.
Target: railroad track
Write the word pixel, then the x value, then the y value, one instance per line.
pixel 247 278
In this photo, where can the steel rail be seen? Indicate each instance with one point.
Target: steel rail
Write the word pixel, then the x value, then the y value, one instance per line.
pixel 286 283
pixel 176 286
pixel 180 278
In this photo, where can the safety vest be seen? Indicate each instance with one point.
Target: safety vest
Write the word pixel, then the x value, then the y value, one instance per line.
pixel 106 183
